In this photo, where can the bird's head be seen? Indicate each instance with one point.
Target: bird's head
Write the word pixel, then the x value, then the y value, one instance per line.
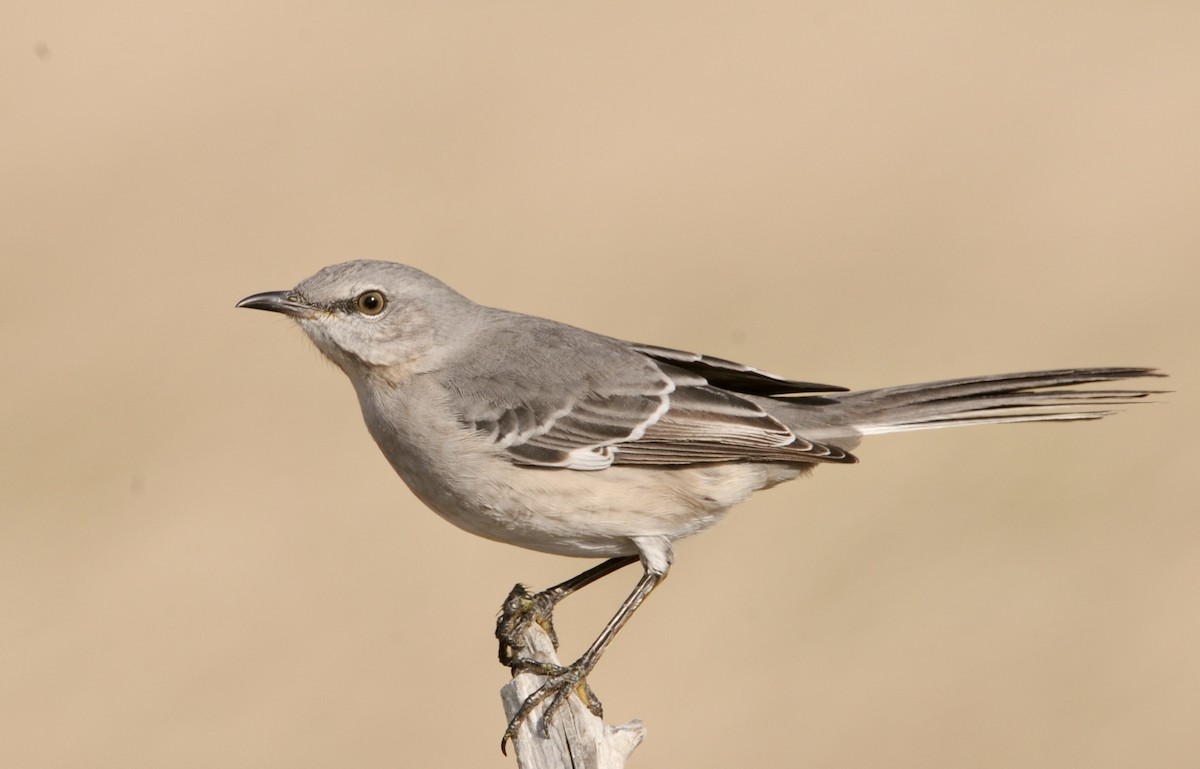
pixel 373 317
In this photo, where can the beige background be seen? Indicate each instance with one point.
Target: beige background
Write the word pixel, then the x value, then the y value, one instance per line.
pixel 204 562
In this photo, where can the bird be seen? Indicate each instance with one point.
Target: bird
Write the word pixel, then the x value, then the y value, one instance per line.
pixel 543 435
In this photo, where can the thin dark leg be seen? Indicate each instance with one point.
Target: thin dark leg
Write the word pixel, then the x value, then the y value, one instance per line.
pixel 561 683
pixel 564 589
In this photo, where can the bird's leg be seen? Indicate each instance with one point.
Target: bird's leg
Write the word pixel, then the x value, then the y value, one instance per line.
pixel 560 682
pixel 522 607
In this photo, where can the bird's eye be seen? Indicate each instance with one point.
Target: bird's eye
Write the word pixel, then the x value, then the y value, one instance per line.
pixel 370 303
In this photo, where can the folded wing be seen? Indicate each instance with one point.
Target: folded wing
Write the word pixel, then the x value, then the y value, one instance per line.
pixel 652 406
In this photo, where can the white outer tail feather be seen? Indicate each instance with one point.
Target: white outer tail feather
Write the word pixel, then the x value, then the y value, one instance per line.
pixel 1039 396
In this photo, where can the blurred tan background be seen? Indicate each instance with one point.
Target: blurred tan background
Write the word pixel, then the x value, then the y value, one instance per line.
pixel 205 562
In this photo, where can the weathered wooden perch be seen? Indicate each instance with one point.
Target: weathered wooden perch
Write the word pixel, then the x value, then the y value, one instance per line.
pixel 577 738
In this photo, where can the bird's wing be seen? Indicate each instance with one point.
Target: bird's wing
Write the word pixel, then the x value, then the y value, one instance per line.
pixel 729 375
pixel 562 397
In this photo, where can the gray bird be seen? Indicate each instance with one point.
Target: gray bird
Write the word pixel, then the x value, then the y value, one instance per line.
pixel 546 436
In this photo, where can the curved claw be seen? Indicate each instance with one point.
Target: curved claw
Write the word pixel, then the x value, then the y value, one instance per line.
pixel 590 699
pixel 557 688
pixel 526 709
pixel 556 702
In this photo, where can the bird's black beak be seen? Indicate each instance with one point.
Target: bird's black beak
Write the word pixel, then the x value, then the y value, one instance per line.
pixel 286 302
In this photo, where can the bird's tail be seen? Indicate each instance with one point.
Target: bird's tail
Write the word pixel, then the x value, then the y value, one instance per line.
pixel 1037 396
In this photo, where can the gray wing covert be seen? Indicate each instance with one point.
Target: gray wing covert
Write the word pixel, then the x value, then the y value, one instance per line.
pixel 556 396
pixel 559 399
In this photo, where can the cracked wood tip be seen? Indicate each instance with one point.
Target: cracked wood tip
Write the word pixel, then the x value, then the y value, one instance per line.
pixel 576 738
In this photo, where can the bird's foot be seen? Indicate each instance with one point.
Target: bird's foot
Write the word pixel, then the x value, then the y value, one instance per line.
pixel 560 683
pixel 521 609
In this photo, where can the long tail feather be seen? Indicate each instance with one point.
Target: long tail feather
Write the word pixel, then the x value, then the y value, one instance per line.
pixel 1035 396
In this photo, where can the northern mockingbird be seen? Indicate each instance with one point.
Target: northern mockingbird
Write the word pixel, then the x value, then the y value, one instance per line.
pixel 550 437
